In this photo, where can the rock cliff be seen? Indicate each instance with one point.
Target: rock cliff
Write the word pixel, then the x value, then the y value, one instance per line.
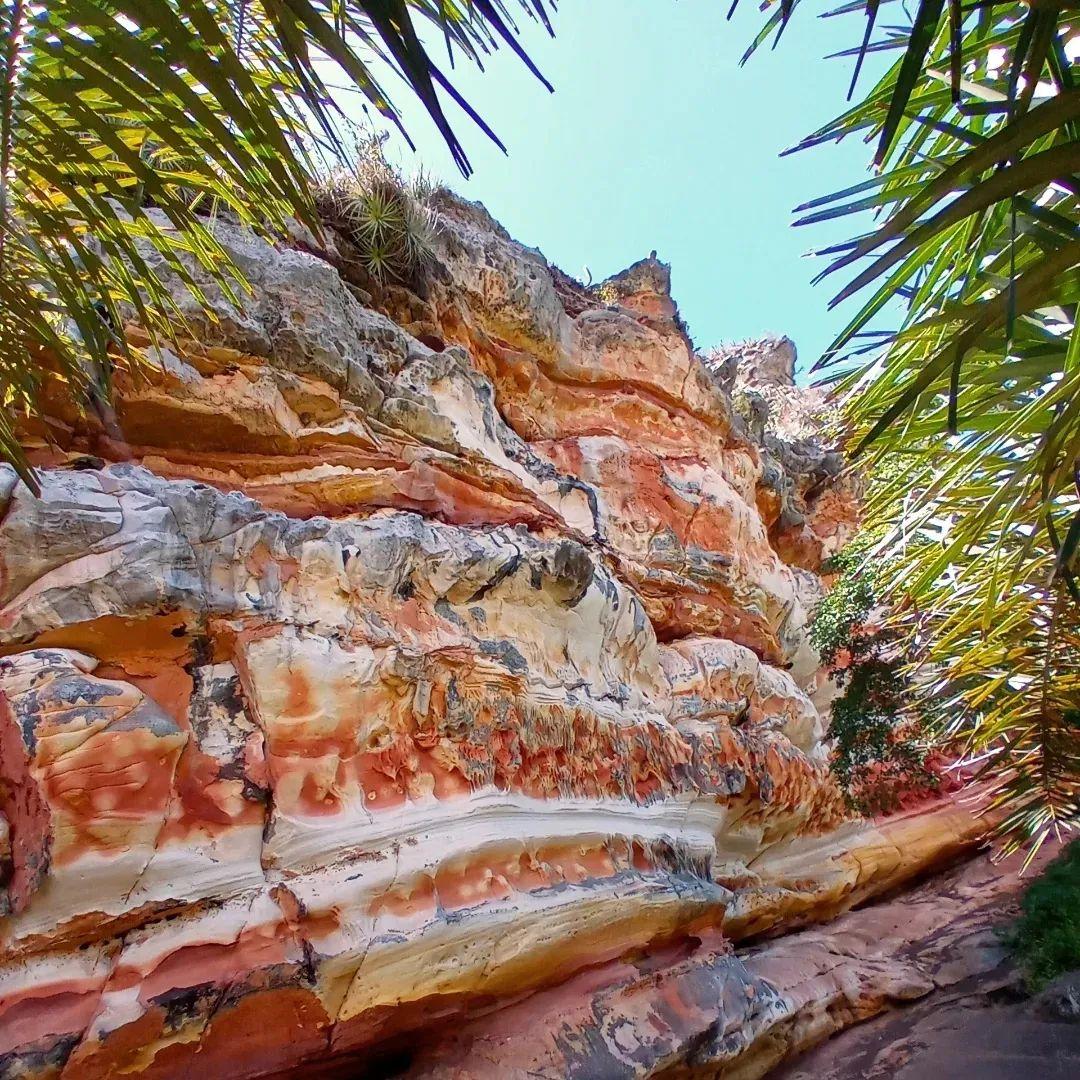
pixel 399 653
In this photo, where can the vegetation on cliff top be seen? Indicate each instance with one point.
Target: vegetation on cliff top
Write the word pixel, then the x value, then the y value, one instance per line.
pixel 388 220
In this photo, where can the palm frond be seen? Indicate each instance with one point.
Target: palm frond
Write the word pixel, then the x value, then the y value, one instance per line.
pixel 977 391
pixel 123 123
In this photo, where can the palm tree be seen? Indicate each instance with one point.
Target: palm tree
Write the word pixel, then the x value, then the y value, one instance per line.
pixel 976 394
pixel 123 123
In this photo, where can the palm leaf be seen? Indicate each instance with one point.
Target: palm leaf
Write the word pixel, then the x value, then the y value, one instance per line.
pixel 978 390
pixel 118 118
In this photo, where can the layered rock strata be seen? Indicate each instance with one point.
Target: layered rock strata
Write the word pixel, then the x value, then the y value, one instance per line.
pixel 702 1011
pixel 397 654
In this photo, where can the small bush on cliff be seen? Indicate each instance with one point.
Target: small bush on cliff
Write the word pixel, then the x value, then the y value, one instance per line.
pixel 608 292
pixel 1046 937
pixel 879 755
pixel 387 219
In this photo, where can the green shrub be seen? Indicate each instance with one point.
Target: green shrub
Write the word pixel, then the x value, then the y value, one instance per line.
pixel 847 604
pixel 878 753
pixel 389 220
pixel 1046 937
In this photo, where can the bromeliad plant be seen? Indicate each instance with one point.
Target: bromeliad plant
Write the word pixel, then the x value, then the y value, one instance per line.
pixel 976 129
pixel 123 123
pixel 389 221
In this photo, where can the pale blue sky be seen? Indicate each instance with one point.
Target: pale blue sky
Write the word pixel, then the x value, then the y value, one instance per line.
pixel 656 138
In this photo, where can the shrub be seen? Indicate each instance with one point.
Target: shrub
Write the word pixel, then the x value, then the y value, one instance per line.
pixel 388 220
pixel 878 754
pixel 608 292
pixel 1046 937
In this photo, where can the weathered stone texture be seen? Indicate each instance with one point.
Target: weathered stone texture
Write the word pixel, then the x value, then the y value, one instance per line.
pixel 385 672
pixel 705 1012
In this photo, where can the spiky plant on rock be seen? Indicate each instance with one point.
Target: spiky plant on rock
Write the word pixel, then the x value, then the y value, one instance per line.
pixel 389 221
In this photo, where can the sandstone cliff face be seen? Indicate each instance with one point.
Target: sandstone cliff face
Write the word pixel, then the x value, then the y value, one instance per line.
pixel 408 654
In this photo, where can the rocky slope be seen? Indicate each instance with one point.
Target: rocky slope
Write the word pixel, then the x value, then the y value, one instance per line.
pixel 395 654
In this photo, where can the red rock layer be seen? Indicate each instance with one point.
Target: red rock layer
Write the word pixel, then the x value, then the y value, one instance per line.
pixel 702 1011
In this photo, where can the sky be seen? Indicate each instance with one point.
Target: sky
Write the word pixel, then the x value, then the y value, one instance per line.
pixel 655 138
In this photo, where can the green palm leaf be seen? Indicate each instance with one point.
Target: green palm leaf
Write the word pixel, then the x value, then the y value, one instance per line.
pixel 122 122
pixel 977 391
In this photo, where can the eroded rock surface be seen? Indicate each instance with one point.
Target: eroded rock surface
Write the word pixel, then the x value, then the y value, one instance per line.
pixel 709 1012
pixel 399 664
